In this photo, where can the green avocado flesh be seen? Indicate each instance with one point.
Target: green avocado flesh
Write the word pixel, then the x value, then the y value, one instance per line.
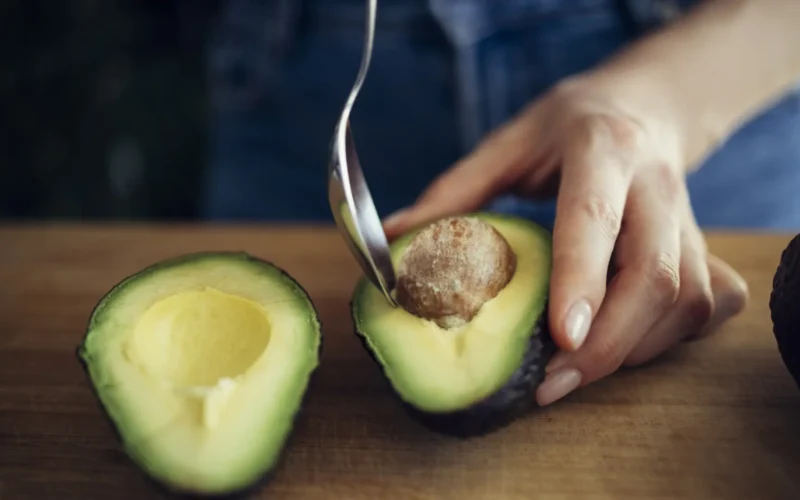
pixel 202 362
pixel 441 371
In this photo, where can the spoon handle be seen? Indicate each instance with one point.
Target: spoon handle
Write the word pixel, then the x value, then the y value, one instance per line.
pixel 366 57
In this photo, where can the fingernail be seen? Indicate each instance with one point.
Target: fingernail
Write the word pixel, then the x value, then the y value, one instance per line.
pixel 578 321
pixel 557 385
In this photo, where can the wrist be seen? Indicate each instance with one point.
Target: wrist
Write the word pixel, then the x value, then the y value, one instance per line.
pixel 650 85
pixel 713 69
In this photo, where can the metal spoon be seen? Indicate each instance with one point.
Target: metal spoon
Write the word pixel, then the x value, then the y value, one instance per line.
pixel 349 197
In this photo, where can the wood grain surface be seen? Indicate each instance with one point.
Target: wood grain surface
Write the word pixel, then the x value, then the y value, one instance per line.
pixel 717 419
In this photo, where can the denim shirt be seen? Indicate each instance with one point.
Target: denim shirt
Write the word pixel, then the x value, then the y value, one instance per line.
pixel 444 73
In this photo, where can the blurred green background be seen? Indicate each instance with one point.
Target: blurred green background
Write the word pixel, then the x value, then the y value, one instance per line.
pixel 104 108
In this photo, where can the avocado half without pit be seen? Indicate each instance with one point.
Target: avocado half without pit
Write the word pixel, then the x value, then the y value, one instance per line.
pixel 202 363
pixel 467 347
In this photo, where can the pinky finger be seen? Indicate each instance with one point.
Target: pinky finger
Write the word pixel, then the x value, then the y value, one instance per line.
pixel 731 295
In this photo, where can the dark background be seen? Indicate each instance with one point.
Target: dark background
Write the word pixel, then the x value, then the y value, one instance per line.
pixel 103 107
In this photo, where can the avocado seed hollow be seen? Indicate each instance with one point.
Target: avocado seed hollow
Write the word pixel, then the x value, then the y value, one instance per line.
pixel 451 268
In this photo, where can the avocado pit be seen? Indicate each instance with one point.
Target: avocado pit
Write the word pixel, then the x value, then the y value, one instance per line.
pixel 451 268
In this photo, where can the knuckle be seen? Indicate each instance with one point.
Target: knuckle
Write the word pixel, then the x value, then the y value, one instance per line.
pixel 622 133
pixel 666 172
pixel 663 279
pixel 668 182
pixel 603 213
pixel 566 90
pixel 610 138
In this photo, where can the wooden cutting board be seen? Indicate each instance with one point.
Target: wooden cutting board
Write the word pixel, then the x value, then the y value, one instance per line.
pixel 718 419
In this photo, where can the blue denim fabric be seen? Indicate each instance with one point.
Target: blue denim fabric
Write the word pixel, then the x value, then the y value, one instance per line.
pixel 444 73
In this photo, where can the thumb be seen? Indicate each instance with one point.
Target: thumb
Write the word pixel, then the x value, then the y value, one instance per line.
pixel 495 165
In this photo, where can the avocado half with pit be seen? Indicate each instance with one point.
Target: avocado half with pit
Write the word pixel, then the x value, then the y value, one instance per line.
pixel 477 377
pixel 202 363
pixel 784 303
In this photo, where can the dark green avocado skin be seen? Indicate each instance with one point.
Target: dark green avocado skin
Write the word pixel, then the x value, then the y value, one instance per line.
pixel 501 408
pixel 269 474
pixel 784 304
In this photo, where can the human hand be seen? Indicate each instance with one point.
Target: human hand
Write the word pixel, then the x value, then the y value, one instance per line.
pixel 618 168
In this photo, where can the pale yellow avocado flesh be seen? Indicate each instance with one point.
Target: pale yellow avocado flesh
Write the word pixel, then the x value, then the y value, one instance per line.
pixel 441 370
pixel 202 366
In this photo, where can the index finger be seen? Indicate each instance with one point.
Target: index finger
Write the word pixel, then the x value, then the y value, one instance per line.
pixel 591 201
